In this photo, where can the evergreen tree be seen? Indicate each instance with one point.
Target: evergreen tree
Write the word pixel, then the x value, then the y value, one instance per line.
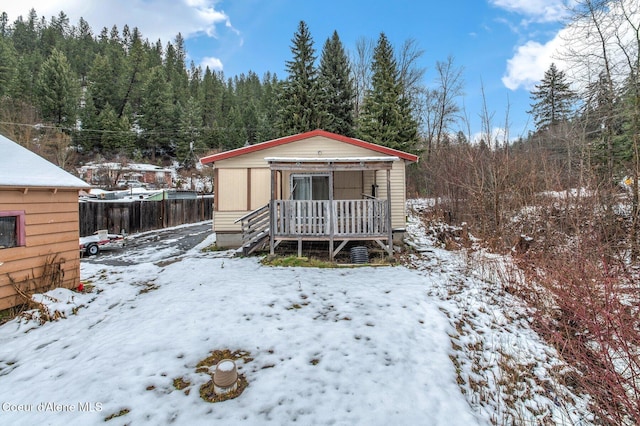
pixel 8 64
pixel 212 94
pixel 55 34
pixel 25 33
pixel 135 66
pixel 249 93
pixel 57 90
pixel 4 24
pixel 175 69
pixel 157 113
pixel 298 102
pixel 604 124
pixel 336 92
pixel 89 136
pixel 109 129
pixel 267 108
pixel 235 132
pixel 386 118
pixel 101 85
pixel 553 99
pixel 82 50
pixel 189 138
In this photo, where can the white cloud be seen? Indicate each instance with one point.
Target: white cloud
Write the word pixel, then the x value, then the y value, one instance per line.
pixel 536 10
pixel 156 19
pixel 499 135
pixel 214 64
pixel 527 66
pixel 532 59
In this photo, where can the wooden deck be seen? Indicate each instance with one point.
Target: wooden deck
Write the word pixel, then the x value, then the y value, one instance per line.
pixel 331 220
pixel 318 220
pixel 321 219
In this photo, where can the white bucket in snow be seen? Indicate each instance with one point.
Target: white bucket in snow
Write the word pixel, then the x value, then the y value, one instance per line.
pixel 225 377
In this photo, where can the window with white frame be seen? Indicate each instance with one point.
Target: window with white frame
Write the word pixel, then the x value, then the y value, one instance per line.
pixel 310 186
pixel 12 233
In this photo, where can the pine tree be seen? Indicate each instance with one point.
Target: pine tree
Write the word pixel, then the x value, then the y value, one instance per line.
pixel 109 129
pixel 553 99
pixel 175 69
pixel 8 64
pixel 386 118
pixel 88 137
pixel 268 111
pixel 57 90
pixel 336 92
pixel 299 98
pixel 189 138
pixel 82 49
pixel 157 113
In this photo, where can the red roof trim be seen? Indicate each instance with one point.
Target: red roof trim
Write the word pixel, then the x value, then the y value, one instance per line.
pixel 294 138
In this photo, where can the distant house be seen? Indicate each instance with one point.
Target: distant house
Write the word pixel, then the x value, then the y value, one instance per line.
pixel 314 186
pixel 127 175
pixel 38 224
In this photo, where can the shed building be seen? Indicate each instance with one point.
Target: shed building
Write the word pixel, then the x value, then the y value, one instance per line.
pixel 39 227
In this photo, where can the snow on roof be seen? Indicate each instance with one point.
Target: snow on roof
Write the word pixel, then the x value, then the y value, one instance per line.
pixel 140 167
pixel 23 168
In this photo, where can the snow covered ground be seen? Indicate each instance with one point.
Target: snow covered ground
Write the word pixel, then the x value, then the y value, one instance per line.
pixel 370 346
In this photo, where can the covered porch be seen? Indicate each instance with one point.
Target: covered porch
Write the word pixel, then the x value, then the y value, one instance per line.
pixel 312 212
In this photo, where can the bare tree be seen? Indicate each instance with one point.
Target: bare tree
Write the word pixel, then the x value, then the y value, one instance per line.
pixel 411 73
pixel 58 149
pixel 441 110
pixel 361 70
pixel 604 45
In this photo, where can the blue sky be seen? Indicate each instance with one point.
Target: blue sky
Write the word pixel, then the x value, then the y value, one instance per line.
pixel 503 45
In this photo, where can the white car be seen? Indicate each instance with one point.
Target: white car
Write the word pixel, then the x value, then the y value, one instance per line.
pixel 101 240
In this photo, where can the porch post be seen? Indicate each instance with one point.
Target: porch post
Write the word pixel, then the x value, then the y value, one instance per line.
pixel 389 221
pixel 331 212
pixel 272 212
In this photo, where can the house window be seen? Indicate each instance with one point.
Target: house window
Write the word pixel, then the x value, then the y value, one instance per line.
pixel 12 232
pixel 310 187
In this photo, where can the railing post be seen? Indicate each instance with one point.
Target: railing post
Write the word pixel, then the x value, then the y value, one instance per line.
pixel 272 211
pixel 331 214
pixel 389 221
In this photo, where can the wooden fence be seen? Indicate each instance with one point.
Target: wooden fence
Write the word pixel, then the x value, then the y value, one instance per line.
pixel 142 215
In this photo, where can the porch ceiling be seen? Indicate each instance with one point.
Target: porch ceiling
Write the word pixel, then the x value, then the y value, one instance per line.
pixel 331 164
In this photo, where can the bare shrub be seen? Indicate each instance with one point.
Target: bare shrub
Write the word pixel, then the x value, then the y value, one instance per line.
pixel 51 277
pixel 586 305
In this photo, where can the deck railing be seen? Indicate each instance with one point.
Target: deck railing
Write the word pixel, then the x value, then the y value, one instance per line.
pixel 255 228
pixel 323 218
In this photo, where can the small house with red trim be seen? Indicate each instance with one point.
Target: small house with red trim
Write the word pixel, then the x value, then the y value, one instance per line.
pixel 313 186
pixel 39 225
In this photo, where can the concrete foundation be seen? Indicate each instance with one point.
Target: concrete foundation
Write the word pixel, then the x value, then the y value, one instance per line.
pixel 228 240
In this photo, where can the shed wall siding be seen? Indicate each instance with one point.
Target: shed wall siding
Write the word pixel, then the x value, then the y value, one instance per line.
pixel 52 230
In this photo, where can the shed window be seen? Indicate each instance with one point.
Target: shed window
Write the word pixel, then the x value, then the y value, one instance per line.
pixel 12 229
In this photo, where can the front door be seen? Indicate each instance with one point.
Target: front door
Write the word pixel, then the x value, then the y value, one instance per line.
pixel 310 208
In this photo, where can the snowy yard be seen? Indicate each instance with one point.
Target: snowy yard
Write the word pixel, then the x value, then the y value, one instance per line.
pixel 370 346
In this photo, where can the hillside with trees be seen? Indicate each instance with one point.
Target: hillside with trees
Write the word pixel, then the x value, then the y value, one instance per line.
pixel 116 94
pixel 563 201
